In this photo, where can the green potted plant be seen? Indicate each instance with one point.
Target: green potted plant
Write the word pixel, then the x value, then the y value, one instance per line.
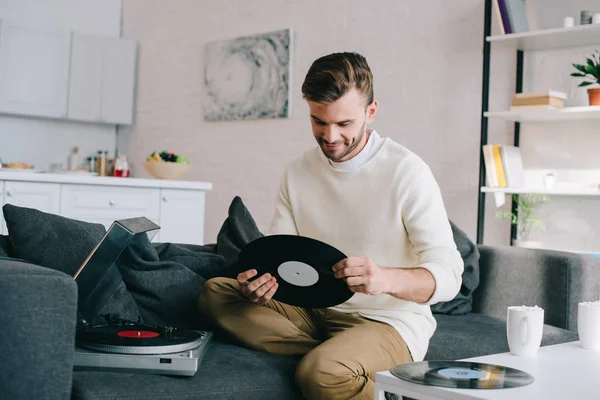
pixel 590 71
pixel 525 218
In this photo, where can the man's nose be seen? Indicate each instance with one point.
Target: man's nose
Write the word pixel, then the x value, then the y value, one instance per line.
pixel 330 133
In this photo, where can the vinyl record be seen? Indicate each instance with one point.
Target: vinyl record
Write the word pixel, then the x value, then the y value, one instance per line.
pixel 462 375
pixel 302 267
pixel 137 339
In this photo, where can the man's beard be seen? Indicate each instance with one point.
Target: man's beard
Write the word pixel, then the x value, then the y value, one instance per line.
pixel 351 148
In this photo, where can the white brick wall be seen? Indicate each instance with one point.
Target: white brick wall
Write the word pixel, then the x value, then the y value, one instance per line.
pixel 426 57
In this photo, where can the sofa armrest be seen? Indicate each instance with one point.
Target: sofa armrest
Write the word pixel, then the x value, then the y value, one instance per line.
pixel 38 321
pixel 554 280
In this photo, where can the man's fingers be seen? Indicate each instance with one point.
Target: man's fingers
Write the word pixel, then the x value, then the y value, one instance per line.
pixel 268 295
pixel 355 281
pixel 339 265
pixel 263 289
pixel 358 289
pixel 258 282
pixel 349 271
pixel 243 277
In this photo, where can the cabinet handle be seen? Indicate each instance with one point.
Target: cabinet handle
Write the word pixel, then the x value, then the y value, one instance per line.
pixel 112 202
pixel 8 193
pixel 164 199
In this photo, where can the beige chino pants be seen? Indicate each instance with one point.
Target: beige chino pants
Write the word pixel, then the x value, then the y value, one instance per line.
pixel 340 352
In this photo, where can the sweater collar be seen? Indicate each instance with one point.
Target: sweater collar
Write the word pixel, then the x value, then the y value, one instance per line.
pixel 373 144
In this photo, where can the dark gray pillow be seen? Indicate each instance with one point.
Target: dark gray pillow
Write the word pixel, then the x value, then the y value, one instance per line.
pixel 463 302
pixel 50 240
pixel 61 244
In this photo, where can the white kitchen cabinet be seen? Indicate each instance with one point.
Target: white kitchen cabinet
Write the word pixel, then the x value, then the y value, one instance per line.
pixel 182 205
pixel 102 79
pixel 178 207
pixel 34 70
pixel 118 81
pixel 40 196
pixel 104 205
pixel 85 86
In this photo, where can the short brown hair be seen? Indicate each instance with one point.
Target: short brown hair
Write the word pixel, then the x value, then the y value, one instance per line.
pixel 332 76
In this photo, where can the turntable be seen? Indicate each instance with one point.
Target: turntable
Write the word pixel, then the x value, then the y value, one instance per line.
pixel 118 344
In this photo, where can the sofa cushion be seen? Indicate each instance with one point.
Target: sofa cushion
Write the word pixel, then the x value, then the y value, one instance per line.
pixel 473 335
pixel 50 240
pixel 226 372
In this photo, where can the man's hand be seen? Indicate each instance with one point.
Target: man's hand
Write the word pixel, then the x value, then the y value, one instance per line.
pixel 259 291
pixel 362 275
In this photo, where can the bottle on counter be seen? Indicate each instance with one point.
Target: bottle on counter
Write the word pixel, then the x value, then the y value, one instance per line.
pixel 101 168
pixel 121 167
pixel 73 163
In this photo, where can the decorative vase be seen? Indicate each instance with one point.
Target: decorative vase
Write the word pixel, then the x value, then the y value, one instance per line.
pixel 594 94
pixel 528 244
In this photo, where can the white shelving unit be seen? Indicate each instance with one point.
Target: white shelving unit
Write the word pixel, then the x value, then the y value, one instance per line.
pixel 548 39
pixel 550 115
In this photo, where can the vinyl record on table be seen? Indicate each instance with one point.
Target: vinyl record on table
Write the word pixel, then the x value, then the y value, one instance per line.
pixel 137 339
pixel 462 375
pixel 302 267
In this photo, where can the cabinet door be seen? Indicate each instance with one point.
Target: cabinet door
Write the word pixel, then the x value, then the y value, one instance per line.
pixel 85 86
pixel 118 81
pixel 34 70
pixel 40 196
pixel 2 222
pixel 182 216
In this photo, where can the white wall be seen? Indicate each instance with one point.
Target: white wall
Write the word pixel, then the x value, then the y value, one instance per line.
pixel 426 58
pixel 41 141
pixel 427 61
pixel 568 148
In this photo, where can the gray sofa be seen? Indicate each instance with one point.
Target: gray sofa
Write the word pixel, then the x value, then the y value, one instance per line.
pixel 38 308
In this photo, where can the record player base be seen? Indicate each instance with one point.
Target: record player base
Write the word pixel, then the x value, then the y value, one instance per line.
pixel 562 371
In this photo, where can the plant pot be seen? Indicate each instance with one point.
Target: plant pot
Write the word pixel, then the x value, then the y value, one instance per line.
pixel 528 244
pixel 594 94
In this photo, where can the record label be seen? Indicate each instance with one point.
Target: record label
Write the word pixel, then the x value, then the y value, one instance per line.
pixel 461 373
pixel 298 273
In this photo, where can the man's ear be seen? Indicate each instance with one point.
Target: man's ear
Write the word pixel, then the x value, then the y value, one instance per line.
pixel 371 111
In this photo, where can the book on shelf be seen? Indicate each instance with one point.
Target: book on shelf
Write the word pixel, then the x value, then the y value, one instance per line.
pixel 503 166
pixel 551 99
pixel 502 15
pixel 517 15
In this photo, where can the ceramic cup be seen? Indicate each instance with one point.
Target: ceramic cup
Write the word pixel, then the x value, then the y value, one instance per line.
pixel 596 18
pixel 588 325
pixel 569 22
pixel 524 328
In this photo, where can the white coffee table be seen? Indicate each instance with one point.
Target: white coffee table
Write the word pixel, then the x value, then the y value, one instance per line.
pixel 563 371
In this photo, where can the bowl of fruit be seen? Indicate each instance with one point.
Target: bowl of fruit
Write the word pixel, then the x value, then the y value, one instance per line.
pixel 166 165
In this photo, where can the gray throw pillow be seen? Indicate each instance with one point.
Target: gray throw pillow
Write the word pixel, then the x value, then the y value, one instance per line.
pixel 61 244
pixel 50 240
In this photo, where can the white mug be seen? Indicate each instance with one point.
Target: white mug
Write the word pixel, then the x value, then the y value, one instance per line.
pixel 569 22
pixel 588 325
pixel 524 329
pixel 596 18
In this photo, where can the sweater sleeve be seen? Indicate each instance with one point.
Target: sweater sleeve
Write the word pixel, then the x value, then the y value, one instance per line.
pixel 283 219
pixel 430 234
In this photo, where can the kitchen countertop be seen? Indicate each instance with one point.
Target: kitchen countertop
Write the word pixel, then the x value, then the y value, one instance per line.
pixel 85 179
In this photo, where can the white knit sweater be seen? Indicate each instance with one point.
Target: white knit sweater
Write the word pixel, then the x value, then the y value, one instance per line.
pixel 389 209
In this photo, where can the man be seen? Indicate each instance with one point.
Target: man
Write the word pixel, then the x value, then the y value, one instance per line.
pixel 369 197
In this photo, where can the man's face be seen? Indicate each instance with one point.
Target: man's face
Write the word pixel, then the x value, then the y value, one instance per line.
pixel 339 127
